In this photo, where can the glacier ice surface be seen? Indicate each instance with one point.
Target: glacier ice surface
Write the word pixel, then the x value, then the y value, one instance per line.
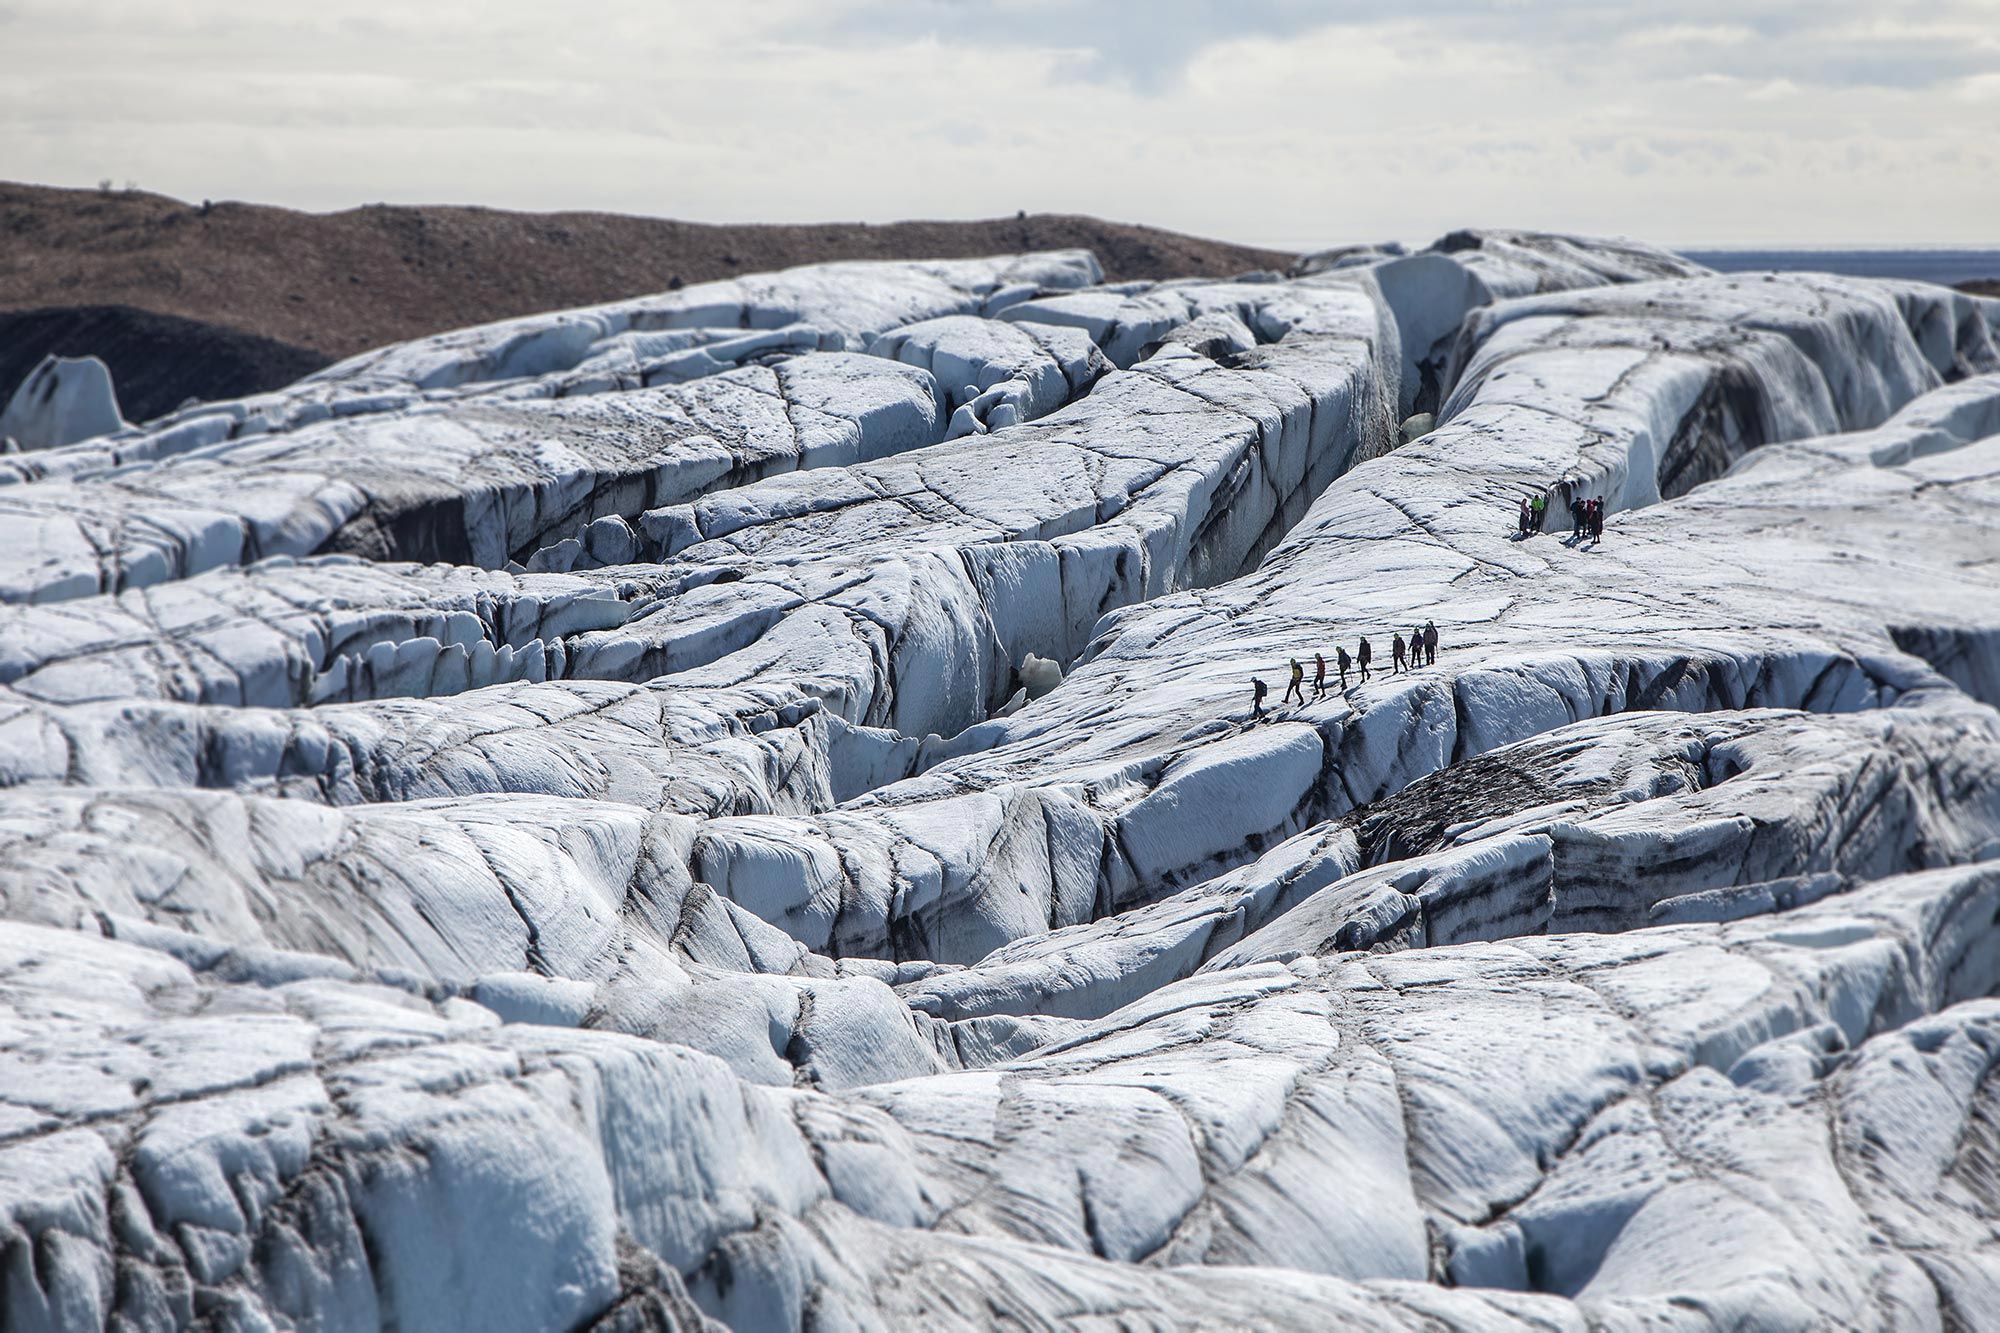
pixel 745 807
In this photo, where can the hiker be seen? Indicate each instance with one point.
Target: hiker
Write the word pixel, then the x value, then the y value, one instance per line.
pixel 1538 512
pixel 1258 690
pixel 1430 643
pixel 1416 648
pixel 1396 659
pixel 1525 523
pixel 1298 683
pixel 1319 674
pixel 1579 526
pixel 1341 660
pixel 1597 519
pixel 1364 656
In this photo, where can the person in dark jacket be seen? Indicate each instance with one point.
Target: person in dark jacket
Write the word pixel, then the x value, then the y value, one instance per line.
pixel 1319 674
pixel 1258 689
pixel 1341 660
pixel 1430 643
pixel 1396 659
pixel 1364 656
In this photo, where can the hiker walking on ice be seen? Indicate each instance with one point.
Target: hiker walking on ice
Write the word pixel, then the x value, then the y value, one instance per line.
pixel 1396 662
pixel 1298 683
pixel 1341 660
pixel 1319 674
pixel 1258 689
pixel 1364 656
pixel 1430 643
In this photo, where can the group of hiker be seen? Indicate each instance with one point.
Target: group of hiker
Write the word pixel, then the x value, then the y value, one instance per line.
pixel 1406 654
pixel 1586 520
pixel 1586 517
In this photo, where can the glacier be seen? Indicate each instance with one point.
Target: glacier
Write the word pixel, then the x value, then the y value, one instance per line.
pixel 745 807
pixel 63 400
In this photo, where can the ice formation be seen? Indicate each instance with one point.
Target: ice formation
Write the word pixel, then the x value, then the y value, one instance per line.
pixel 63 400
pixel 746 806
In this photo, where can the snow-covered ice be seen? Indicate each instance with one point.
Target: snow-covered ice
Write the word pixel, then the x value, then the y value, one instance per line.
pixel 746 806
pixel 63 400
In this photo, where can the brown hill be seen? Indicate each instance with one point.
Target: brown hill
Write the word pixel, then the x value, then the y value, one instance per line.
pixel 339 283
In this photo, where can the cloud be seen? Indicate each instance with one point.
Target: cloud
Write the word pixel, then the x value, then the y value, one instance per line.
pixel 1285 122
pixel 1149 44
pixel 1145 44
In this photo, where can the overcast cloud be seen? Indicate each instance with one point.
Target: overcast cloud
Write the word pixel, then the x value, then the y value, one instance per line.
pixel 1286 122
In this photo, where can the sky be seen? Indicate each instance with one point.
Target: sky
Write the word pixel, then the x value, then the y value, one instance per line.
pixel 1288 123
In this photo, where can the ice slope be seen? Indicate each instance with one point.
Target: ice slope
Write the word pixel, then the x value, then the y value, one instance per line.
pixel 1432 288
pixel 1091 798
pixel 845 886
pixel 1227 459
pixel 669 337
pixel 1711 1116
pixel 479 484
pixel 1645 618
pixel 1605 825
pixel 1149 547
pixel 995 374
pixel 288 632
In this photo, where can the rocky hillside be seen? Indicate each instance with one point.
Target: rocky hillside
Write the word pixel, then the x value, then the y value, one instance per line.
pixel 339 283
